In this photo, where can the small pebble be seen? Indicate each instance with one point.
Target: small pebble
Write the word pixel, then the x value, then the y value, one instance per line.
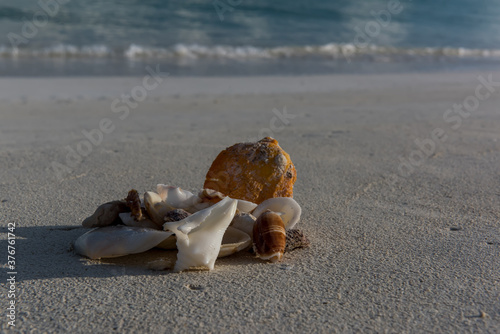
pixel 286 267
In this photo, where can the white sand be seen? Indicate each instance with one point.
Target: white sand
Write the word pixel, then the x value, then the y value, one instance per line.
pixel 389 254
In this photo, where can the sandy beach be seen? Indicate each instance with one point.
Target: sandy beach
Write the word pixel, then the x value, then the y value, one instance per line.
pixel 400 192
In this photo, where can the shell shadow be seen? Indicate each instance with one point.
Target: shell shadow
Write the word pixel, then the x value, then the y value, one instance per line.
pixel 46 252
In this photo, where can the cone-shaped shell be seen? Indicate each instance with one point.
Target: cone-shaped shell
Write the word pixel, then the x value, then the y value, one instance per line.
pixel 269 237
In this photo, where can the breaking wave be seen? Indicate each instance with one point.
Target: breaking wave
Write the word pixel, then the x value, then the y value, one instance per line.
pixel 180 52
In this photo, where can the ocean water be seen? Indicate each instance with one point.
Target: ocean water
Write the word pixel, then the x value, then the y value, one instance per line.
pixel 245 37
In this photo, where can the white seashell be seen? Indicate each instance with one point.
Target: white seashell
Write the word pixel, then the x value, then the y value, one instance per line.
pixel 199 236
pixel 210 195
pixel 198 207
pixel 244 222
pixel 246 206
pixel 177 197
pixel 127 219
pixel 290 210
pixel 243 206
pixel 234 241
pixel 114 241
pixel 156 207
pixel 206 198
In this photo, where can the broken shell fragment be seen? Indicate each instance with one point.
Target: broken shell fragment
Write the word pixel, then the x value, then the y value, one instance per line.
pixel 269 236
pixel 209 195
pixel 134 204
pixel 175 215
pixel 296 239
pixel 234 241
pixel 176 197
pixel 244 222
pixel 129 220
pixel 253 171
pixel 115 241
pixel 156 207
pixel 290 210
pixel 106 214
pixel 199 236
pixel 246 206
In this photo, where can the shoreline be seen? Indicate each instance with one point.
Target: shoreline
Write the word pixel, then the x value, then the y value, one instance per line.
pixel 234 67
pixel 100 87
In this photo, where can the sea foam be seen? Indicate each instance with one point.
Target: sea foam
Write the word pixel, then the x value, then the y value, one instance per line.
pixel 222 52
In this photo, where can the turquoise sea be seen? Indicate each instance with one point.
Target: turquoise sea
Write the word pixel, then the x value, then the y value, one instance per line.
pixel 246 37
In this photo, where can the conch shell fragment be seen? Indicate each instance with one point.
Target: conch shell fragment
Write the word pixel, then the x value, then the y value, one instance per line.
pixel 199 236
pixel 253 172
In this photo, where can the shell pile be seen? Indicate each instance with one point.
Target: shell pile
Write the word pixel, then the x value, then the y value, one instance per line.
pixel 211 224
